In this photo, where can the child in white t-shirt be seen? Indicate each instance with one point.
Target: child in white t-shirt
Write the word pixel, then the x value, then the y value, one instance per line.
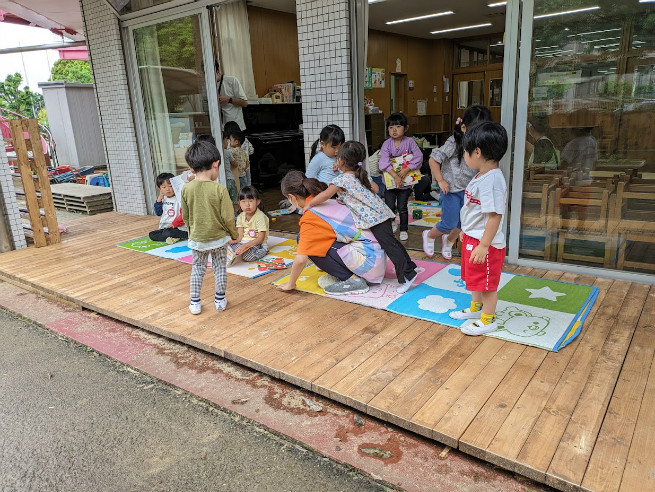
pixel 252 226
pixel 168 207
pixel 482 236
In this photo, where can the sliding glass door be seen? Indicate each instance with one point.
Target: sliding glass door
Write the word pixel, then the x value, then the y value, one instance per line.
pixel 174 92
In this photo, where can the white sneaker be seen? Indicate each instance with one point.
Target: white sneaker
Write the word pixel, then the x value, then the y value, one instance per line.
pixel 404 236
pixel 404 287
pixel 446 247
pixel 478 328
pixel 394 226
pixel 435 195
pixel 195 308
pixel 221 305
pixel 428 243
pixel 465 314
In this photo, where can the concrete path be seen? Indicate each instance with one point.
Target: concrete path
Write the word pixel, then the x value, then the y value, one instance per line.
pixel 73 420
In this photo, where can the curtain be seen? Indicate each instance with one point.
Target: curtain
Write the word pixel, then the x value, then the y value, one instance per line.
pixel 233 38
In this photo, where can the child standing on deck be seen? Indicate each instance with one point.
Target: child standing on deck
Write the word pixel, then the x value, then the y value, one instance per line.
pixel 483 239
pixel 368 209
pixel 240 157
pixel 452 175
pixel 323 161
pixel 208 212
pixel 398 146
pixel 252 228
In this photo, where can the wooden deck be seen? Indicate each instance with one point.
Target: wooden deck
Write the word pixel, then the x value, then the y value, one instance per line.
pixel 581 419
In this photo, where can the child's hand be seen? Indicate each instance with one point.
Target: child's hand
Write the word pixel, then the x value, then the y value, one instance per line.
pixel 461 237
pixel 286 287
pixel 404 172
pixel 478 254
pixel 399 181
pixel 160 197
pixel 233 241
pixel 241 249
pixel 444 186
pixel 191 177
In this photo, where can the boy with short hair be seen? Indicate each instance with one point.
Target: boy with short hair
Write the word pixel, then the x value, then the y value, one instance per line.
pixel 483 239
pixel 207 211
pixel 168 207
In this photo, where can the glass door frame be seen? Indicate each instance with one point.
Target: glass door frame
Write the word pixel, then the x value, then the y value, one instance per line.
pixel 134 83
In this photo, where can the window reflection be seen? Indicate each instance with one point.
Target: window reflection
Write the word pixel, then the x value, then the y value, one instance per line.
pixel 589 179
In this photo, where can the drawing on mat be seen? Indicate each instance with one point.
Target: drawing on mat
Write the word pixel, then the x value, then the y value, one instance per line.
pixel 521 323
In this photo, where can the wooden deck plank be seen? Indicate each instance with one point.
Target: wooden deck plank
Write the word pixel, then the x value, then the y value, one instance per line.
pixel 510 438
pixel 540 446
pixel 448 393
pixel 321 358
pixel 638 473
pixel 370 377
pixel 407 400
pixel 610 454
pixel 520 407
pixel 458 417
pixel 574 451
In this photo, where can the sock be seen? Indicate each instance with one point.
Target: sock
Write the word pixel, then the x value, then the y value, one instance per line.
pixel 487 319
pixel 475 306
pixel 219 297
pixel 195 300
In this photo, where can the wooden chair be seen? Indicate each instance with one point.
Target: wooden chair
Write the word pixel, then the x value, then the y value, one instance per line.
pixel 539 173
pixel 633 220
pixel 581 214
pixel 536 217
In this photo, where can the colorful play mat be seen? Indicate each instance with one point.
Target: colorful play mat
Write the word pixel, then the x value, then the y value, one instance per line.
pixel 533 311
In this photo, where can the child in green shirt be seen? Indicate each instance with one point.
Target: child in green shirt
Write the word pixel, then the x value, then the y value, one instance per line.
pixel 208 213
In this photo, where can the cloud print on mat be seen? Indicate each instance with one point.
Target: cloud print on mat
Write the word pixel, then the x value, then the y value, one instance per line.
pixel 437 304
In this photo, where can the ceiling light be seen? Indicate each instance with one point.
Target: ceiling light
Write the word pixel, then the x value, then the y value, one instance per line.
pixel 497 4
pixel 375 1
pixel 475 26
pixel 593 32
pixel 566 12
pixel 646 1
pixel 420 17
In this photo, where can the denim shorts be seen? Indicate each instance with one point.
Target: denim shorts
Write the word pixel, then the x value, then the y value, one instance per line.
pixel 451 204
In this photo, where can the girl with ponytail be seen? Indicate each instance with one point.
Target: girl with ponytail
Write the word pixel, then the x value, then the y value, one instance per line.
pixel 369 211
pixel 450 172
pixel 323 156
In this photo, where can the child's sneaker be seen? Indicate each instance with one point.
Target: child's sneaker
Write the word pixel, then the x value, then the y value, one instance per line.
pixel 172 240
pixel 404 236
pixel 195 308
pixel 478 328
pixel 446 247
pixel 221 304
pixel 465 314
pixel 350 286
pixel 428 243
pixel 404 287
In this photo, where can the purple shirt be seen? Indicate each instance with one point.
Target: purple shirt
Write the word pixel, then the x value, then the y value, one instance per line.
pixel 407 145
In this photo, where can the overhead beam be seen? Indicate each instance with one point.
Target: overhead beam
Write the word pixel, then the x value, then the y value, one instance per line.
pixel 40 47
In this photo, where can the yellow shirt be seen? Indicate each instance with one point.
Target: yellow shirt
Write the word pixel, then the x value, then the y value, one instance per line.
pixel 258 223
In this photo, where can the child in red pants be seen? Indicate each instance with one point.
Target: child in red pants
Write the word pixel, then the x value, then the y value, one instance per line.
pixel 483 238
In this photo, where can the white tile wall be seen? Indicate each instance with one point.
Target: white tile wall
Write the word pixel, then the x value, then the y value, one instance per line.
pixel 11 215
pixel 114 106
pixel 325 70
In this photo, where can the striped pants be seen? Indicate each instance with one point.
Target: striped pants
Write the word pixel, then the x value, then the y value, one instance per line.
pixel 200 266
pixel 253 254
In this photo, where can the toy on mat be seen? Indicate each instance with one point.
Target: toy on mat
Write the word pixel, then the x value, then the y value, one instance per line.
pixel 271 264
pixel 417 213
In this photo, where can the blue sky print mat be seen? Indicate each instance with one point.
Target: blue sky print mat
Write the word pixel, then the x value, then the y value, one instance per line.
pixel 533 311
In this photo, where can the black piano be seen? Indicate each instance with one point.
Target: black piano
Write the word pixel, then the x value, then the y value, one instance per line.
pixel 274 132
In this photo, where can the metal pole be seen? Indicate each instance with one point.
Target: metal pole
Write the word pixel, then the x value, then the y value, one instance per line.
pixel 40 47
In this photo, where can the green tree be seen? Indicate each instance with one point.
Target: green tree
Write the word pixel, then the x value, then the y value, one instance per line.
pixel 71 71
pixel 22 101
